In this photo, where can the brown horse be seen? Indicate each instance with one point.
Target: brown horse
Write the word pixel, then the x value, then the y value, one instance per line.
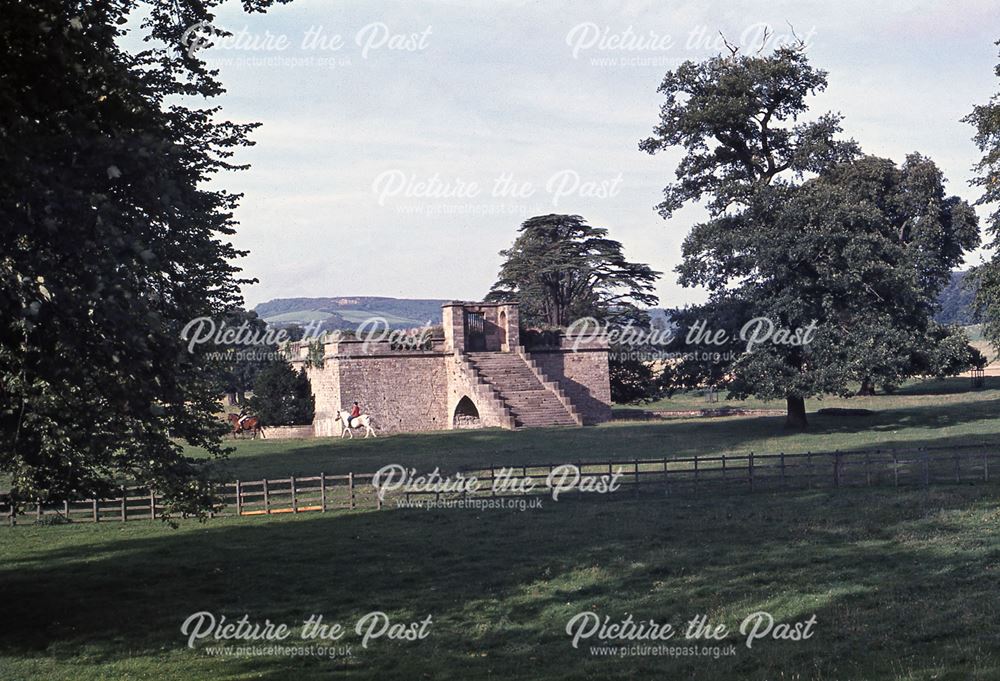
pixel 251 423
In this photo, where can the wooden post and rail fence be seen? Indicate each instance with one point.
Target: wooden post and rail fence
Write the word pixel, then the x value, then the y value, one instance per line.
pixel 750 472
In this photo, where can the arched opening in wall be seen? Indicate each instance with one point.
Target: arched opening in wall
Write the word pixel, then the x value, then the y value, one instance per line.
pixel 466 414
pixel 502 323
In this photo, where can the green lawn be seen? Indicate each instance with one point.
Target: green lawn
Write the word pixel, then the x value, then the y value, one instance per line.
pixel 913 393
pixel 933 413
pixel 902 582
pixel 903 586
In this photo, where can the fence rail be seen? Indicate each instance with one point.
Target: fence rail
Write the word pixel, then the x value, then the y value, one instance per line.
pixel 668 475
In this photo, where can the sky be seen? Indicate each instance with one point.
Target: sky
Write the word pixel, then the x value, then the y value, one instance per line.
pixel 402 143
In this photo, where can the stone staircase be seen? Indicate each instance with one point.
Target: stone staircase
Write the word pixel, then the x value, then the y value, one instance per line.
pixel 533 400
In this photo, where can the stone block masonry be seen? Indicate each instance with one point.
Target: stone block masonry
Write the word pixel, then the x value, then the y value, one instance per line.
pixel 454 383
pixel 582 374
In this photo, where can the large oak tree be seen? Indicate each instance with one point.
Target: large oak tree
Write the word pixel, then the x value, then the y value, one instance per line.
pixel 986 278
pixel 804 229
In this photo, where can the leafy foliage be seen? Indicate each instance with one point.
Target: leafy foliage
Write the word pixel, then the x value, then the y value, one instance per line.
pixel 241 362
pixel 282 396
pixel 957 301
pixel 561 269
pixel 109 243
pixel 852 243
pixel 986 278
pixel 727 114
pixel 634 380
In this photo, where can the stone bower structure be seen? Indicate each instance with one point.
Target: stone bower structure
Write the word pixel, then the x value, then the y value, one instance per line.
pixel 476 376
pixel 579 365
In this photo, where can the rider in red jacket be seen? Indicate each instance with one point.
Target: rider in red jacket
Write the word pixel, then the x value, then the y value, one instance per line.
pixel 355 411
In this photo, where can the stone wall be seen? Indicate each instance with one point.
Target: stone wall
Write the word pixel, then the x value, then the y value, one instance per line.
pixel 501 322
pixel 408 390
pixel 580 367
pixel 462 382
pixel 325 384
pixel 288 432
pixel 400 393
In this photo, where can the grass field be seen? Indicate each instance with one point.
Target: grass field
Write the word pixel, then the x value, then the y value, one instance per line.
pixel 913 393
pixel 903 586
pixel 933 413
pixel 902 582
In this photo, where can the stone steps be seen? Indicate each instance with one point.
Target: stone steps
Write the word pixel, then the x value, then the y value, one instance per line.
pixel 531 403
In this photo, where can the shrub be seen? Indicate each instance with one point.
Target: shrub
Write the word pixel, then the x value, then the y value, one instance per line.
pixel 282 396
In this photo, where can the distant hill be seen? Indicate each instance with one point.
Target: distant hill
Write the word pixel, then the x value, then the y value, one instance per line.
pixel 956 302
pixel 348 311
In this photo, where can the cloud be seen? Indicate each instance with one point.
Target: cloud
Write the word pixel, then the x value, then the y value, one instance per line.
pixel 497 90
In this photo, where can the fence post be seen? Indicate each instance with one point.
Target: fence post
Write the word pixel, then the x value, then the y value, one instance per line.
pixel 723 466
pixel 635 465
pixel 239 498
pixel 66 508
pixel 291 486
pixel 696 471
pixel 152 504
pixel 350 487
pixel 97 515
pixel 750 469
pixel 38 509
pixel 493 484
pixel 124 501
pixel 322 492
pixel 12 513
pixel 267 498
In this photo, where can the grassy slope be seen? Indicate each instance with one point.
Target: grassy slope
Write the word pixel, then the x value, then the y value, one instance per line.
pixel 903 583
pixel 932 414
pixel 903 586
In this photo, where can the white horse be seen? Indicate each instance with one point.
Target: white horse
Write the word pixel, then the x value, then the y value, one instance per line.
pixel 363 421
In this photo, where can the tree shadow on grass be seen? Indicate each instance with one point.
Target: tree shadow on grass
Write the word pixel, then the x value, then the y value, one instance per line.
pixel 898 581
pixel 929 416
pixel 953 385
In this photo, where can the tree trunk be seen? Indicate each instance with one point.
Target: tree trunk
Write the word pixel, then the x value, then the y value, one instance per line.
pixel 796 417
pixel 866 388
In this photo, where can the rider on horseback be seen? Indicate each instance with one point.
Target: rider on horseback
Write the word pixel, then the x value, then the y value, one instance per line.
pixel 244 415
pixel 355 413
